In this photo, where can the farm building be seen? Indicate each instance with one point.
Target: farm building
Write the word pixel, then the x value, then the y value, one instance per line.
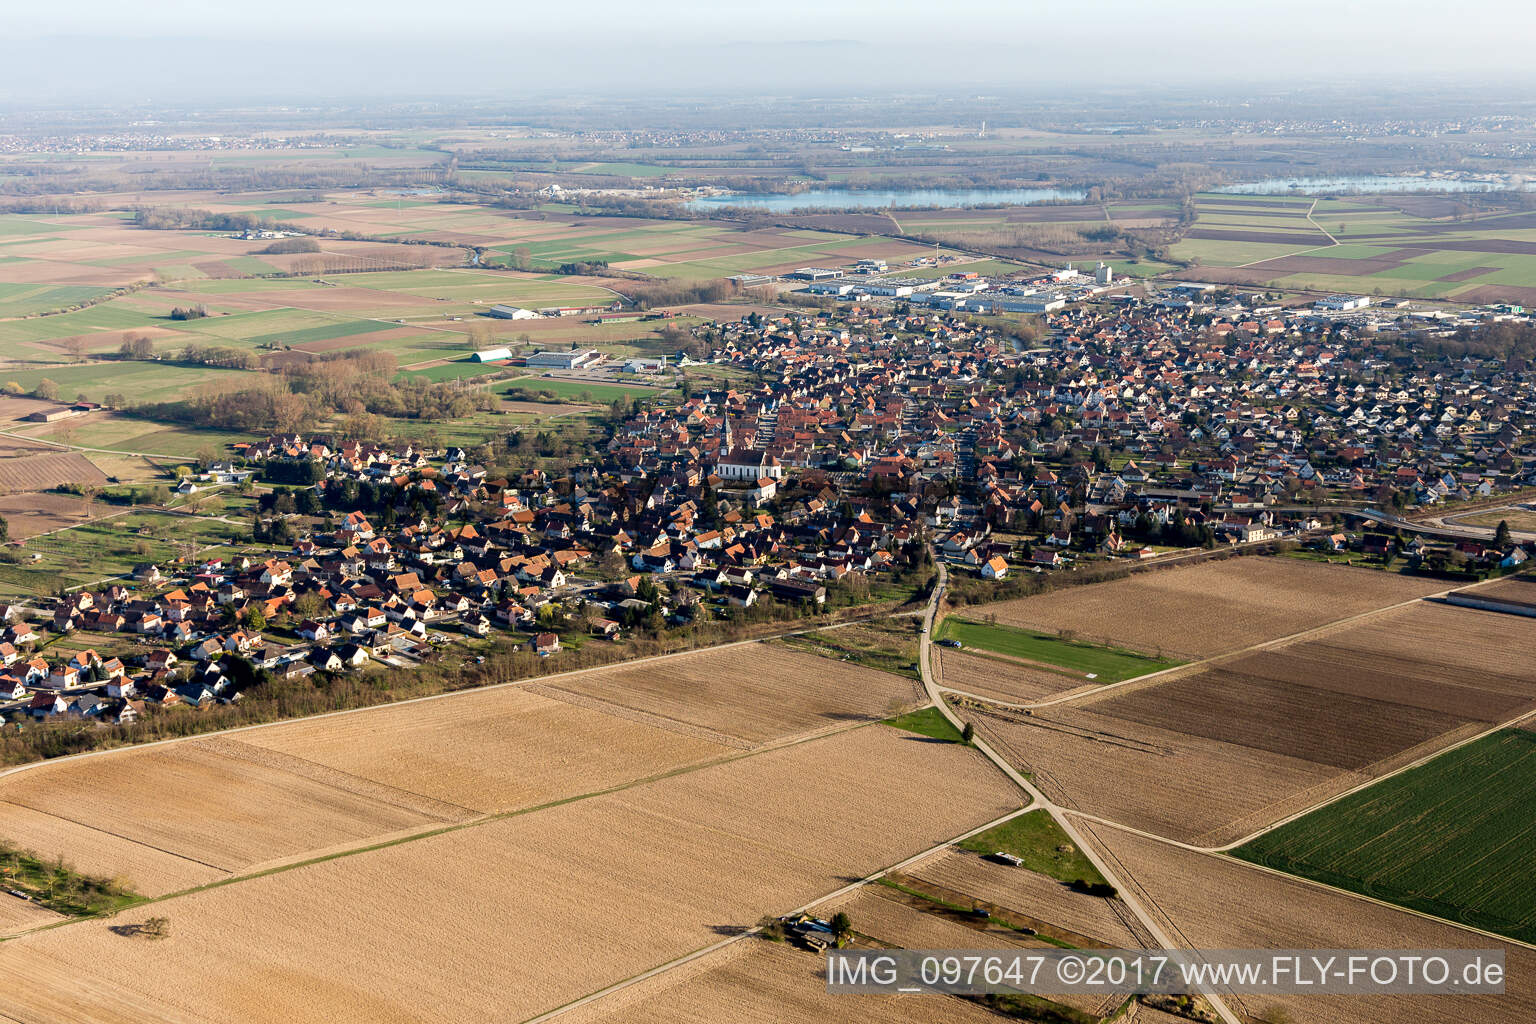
pixel 50 415
pixel 491 355
pixel 513 313
pixel 564 360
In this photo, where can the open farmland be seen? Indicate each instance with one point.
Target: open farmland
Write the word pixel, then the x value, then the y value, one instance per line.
pixel 28 514
pixel 207 808
pixel 1210 755
pixel 1048 901
pixel 1200 610
pixel 1451 837
pixel 36 472
pixel 745 694
pixel 646 874
pixel 1212 902
pixel 757 982
pixel 1383 245
pixel 1002 679
pixel 1105 664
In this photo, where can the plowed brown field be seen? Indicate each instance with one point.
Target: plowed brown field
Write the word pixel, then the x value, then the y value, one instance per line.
pixel 1217 903
pixel 1209 755
pixel 513 916
pixel 1206 609
pixel 749 693
pixel 40 472
pixel 757 982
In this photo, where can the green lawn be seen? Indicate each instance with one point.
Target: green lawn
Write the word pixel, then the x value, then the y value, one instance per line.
pixel 1107 664
pixel 582 390
pixel 1039 842
pixel 928 722
pixel 453 371
pixel 1452 838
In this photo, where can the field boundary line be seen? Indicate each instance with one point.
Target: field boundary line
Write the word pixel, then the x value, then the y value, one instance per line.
pixel 1201 663
pixel 114 835
pixel 1418 763
pixel 81 448
pixel 1228 859
pixel 1037 798
pixel 492 687
pixel 431 830
pixel 755 930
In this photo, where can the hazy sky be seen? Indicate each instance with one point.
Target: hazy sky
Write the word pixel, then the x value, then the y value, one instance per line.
pixel 162 49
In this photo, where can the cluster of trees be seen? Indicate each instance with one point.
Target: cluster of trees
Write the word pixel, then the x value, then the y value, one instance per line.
pixel 288 245
pixel 224 356
pixel 679 293
pixel 137 346
pixel 582 267
pixel 196 312
pixel 171 218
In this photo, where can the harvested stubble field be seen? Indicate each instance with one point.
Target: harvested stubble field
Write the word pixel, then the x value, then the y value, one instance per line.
pixel 758 982
pixel 1214 607
pixel 746 694
pixel 19 915
pixel 205 808
pixel 1032 894
pixel 895 920
pixel 1212 902
pixel 1515 589
pixel 1003 678
pixel 42 471
pixel 1210 755
pixel 29 514
pixel 891 919
pixel 489 750
pixel 514 916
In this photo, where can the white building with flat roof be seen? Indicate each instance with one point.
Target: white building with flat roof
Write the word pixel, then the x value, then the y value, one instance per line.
pixel 564 360
pixel 513 313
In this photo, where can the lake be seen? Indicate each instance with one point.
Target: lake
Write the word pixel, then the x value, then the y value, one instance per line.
pixel 885 199
pixel 1363 183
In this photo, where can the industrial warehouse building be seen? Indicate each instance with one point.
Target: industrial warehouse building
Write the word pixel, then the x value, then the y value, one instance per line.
pixel 564 360
pixel 513 313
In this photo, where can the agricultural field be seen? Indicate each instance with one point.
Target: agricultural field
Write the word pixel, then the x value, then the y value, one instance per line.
pixel 1002 680
pixel 31 472
pixel 1046 900
pixel 886 644
pixel 1215 902
pixel 647 873
pixel 326 781
pixel 1211 608
pixel 759 982
pixel 1382 245
pixel 1091 661
pixel 1210 755
pixel 1450 837
pixel 743 695
pixel 582 390
pixel 30 513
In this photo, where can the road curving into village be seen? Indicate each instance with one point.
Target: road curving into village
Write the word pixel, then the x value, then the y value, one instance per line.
pixel 1037 798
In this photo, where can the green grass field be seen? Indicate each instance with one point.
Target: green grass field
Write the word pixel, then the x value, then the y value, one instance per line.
pixel 453 371
pixel 1452 838
pixel 582 390
pixel 1039 842
pixel 1107 664
pixel 928 722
